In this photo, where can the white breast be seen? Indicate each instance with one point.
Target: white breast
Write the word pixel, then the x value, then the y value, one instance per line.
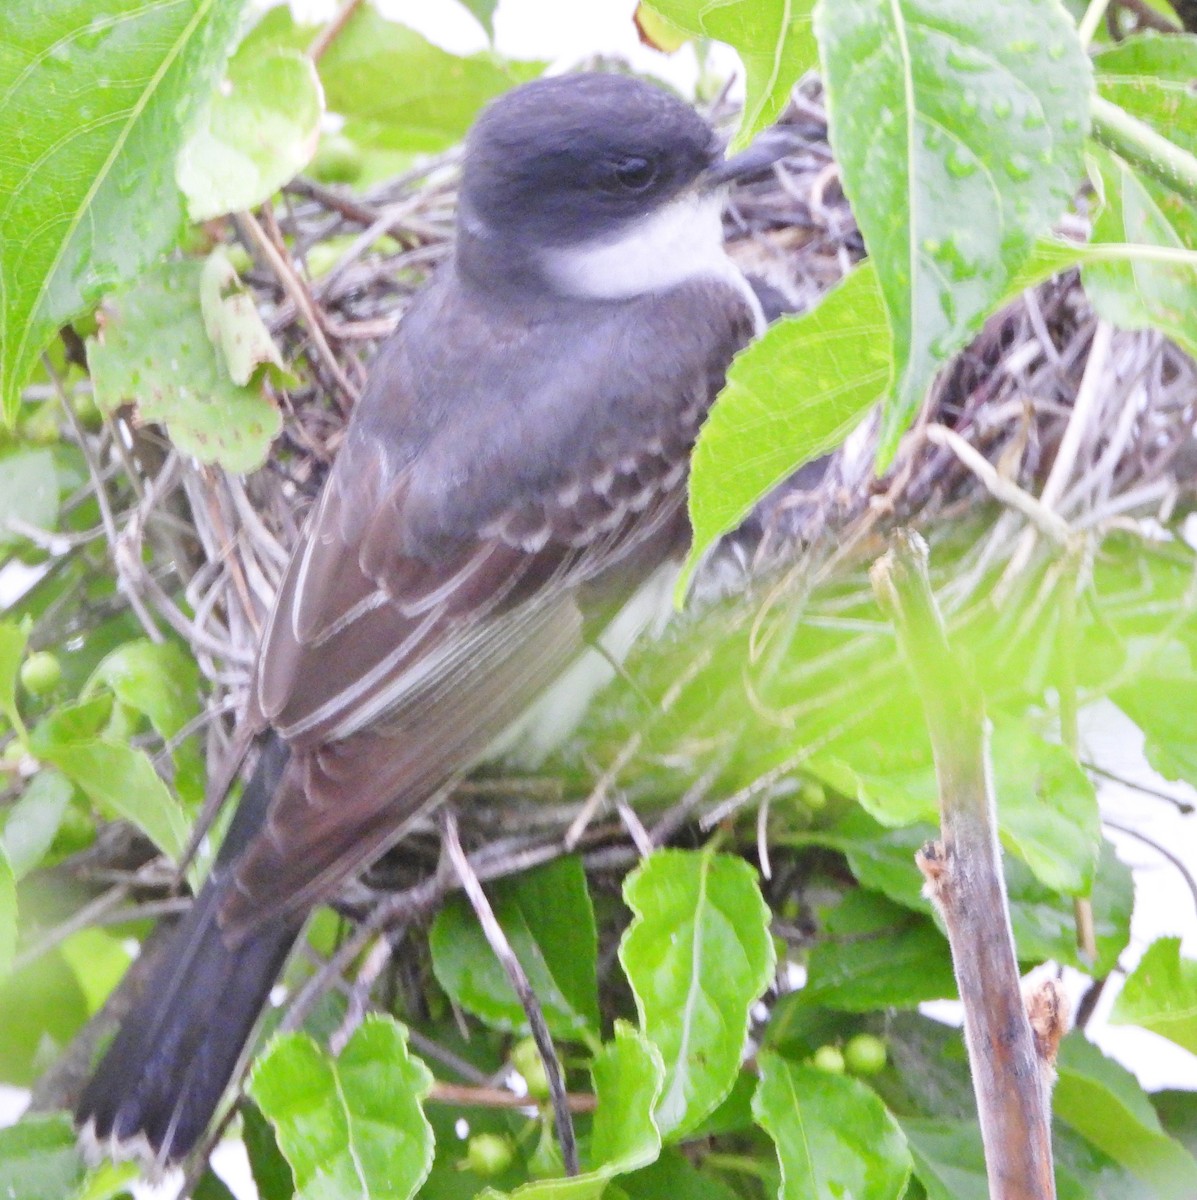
pixel 680 242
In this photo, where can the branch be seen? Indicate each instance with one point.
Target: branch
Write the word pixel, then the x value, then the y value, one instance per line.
pixel 523 989
pixel 964 879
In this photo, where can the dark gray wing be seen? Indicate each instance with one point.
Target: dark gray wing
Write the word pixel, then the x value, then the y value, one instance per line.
pixel 443 581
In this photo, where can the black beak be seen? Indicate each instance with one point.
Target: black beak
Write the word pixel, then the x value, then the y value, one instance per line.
pixel 770 145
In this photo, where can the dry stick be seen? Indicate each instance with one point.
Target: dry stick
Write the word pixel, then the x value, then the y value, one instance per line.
pixel 523 989
pixel 964 878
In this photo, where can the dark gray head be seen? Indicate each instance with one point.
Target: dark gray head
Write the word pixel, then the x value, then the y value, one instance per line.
pixel 577 157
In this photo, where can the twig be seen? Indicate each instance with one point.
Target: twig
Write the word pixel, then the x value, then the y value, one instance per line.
pixel 523 989
pixel 463 1095
pixel 964 879
pixel 298 292
pixel 1184 807
pixel 331 31
pixel 1005 490
pixel 1163 851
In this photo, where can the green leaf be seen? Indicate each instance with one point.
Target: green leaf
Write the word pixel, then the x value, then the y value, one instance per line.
pixel 1161 671
pixel 949 1159
pixel 272 1176
pixel 834 1137
pixel 628 1075
pixel 1047 808
pixel 8 914
pixel 791 396
pixel 350 1126
pixel 29 489
pixel 158 679
pixel 39 1159
pixel 102 99
pixel 29 828
pixel 549 921
pixel 153 351
pixel 398 91
pixel 772 37
pixel 484 13
pixel 1140 294
pixel 1103 1102
pixel 874 955
pixel 258 132
pixel 672 1177
pixel 698 955
pixel 1161 995
pixel 234 325
pixel 1151 77
pixel 1044 922
pixel 937 118
pixel 1046 805
pixel 13 637
pixel 121 782
pixel 627 1081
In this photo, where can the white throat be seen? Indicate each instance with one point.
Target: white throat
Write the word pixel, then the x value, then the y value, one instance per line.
pixel 680 242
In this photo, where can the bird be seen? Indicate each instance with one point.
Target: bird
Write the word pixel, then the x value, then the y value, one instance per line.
pixel 511 485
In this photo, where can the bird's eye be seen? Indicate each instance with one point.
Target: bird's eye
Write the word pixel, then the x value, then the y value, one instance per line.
pixel 634 174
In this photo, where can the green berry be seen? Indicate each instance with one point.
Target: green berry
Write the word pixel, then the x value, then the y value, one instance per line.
pixel 338 160
pixel 865 1054
pixel 40 673
pixel 489 1154
pixel 829 1059
pixel 525 1058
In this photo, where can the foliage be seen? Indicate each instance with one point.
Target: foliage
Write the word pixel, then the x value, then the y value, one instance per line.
pixel 962 139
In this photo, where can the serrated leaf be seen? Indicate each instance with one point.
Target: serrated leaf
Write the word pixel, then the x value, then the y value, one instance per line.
pixel 397 90
pixel 1140 294
pixel 39 1159
pixel 13 636
pixel 549 921
pixel 698 955
pixel 121 782
pixel 350 1126
pixel 102 100
pixel 833 1135
pixel 31 823
pixel 877 955
pixel 624 1137
pixel 1104 1103
pixel 772 37
pixel 959 142
pixel 153 351
pixel 234 325
pixel 258 132
pixel 791 396
pixel 1161 995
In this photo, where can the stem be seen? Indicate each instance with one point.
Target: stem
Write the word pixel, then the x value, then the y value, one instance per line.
pixel 964 878
pixel 1091 20
pixel 1142 147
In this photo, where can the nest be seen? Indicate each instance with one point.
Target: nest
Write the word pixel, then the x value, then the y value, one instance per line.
pixel 1050 423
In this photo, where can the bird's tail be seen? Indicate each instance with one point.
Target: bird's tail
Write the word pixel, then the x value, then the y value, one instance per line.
pixel 166 1071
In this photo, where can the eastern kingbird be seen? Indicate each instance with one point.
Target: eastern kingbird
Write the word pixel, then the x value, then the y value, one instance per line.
pixel 514 472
